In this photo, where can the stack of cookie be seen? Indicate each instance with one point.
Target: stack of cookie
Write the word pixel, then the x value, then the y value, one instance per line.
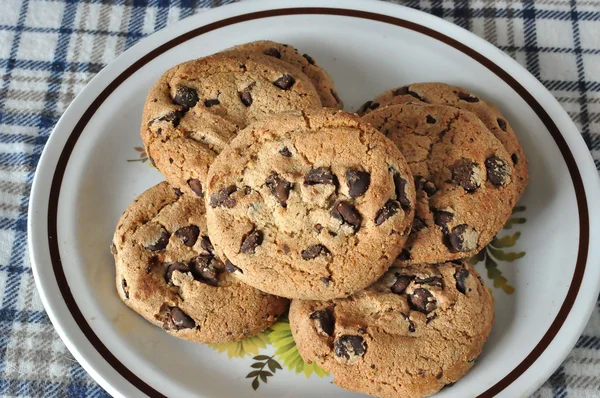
pixel 274 193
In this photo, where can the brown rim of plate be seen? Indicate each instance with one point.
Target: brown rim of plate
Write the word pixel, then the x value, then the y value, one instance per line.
pixel 505 76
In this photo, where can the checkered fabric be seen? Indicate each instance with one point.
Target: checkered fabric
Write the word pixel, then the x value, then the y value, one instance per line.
pixel 50 49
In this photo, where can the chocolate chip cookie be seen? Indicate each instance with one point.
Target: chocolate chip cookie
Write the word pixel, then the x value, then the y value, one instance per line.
pixel 445 94
pixel 411 333
pixel 319 77
pixel 463 175
pixel 312 205
pixel 196 108
pixel 168 272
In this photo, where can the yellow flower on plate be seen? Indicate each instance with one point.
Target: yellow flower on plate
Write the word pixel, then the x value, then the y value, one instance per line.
pixel 248 347
pixel 287 352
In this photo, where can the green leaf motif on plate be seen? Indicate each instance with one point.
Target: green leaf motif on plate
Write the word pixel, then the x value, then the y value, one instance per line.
pixel 495 252
pixel 261 374
pixel 287 352
pixel 247 347
pixel 142 158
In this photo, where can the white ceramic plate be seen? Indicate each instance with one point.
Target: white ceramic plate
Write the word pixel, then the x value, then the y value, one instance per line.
pixel 84 182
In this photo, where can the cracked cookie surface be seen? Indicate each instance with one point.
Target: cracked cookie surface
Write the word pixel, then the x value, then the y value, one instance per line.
pixel 319 77
pixel 489 114
pixel 196 108
pixel 310 204
pixel 168 272
pixel 463 176
pixel 412 332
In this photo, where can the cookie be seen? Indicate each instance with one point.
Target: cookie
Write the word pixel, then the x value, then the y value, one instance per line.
pixel 312 205
pixel 196 108
pixel 463 175
pixel 411 333
pixel 167 271
pixel 319 77
pixel 445 94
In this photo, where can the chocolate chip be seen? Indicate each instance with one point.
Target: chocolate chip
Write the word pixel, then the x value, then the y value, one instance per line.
pixel 346 213
pixel 309 59
pixel 422 300
pixel 124 287
pixel 325 280
pixel 404 255
pixel 335 96
pixel 204 269
pixel 177 266
pixel 411 324
pixel 463 238
pixel 401 284
pixel 349 347
pixel 400 91
pixel 186 96
pixel 285 152
pixel 427 186
pixel 272 52
pixel 431 119
pixel 285 82
pixel 325 321
pixel 223 198
pixel 251 241
pixel 497 170
pixel 286 249
pixel 358 182
pixel 314 252
pixel 401 195
pixel 246 96
pixel 206 244
pixel 464 173
pixel 173 117
pixel 442 218
pixel 280 188
pixel 467 97
pixel 211 102
pixel 188 234
pixel 178 191
pixel 196 186
pixel 231 267
pixel 153 262
pixel 161 241
pixel 362 331
pixel 318 228
pixel 406 91
pixel 417 225
pixel 430 318
pixel 461 275
pixel 501 124
pixel 390 208
pixel 514 158
pixel 320 175
pixel 431 280
pixel 181 320
pixel 367 106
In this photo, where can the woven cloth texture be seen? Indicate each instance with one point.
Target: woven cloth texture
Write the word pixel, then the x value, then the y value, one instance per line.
pixel 50 49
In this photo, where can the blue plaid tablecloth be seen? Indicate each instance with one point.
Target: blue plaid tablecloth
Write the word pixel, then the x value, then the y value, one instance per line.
pixel 50 49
